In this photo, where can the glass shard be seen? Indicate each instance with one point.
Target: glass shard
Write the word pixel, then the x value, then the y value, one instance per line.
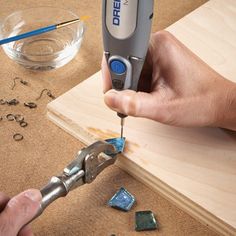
pixel 122 200
pixel 145 220
pixel 119 144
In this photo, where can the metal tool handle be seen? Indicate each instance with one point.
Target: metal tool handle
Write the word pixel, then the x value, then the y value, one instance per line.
pixel 51 192
pixel 56 188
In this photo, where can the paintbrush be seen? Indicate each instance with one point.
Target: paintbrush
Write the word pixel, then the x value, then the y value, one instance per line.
pixel 41 30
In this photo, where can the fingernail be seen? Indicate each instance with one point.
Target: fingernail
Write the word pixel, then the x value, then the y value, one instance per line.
pixel 111 98
pixel 33 195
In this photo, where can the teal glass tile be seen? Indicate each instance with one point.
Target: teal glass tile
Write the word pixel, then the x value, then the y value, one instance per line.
pixel 145 220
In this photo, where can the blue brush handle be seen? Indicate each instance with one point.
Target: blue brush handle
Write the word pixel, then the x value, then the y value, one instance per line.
pixel 28 34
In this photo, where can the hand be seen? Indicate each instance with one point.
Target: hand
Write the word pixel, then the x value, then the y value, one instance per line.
pixel 180 89
pixel 18 211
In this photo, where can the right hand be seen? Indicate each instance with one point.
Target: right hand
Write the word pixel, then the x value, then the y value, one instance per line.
pixel 17 212
pixel 180 89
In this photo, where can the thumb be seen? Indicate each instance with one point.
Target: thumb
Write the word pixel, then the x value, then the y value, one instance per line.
pixel 19 211
pixel 132 103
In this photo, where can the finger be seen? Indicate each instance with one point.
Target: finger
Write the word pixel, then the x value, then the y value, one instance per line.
pixel 19 211
pixel 132 103
pixel 146 79
pixel 106 76
pixel 26 231
pixel 3 201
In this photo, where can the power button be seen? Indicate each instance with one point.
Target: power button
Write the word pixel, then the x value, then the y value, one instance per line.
pixel 118 67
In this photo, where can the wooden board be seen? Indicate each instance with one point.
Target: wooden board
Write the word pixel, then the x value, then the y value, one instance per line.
pixel 194 168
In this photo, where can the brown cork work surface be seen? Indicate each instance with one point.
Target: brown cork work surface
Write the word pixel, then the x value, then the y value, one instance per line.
pixel 46 149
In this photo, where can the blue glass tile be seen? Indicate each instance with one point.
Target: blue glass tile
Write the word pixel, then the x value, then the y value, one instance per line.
pixel 122 200
pixel 119 144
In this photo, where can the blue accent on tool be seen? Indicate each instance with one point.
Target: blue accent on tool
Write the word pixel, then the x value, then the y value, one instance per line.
pixel 118 67
pixel 122 200
pixel 119 144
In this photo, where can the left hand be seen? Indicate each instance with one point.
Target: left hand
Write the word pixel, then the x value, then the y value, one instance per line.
pixel 17 212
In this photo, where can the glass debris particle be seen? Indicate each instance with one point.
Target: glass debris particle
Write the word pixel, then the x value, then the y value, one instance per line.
pixel 3 102
pixel 145 220
pixel 24 82
pixel 119 144
pixel 19 118
pixel 10 117
pixel 23 124
pixel 13 102
pixel 31 105
pixel 21 81
pixel 18 137
pixel 122 200
pixel 49 94
pixel 14 82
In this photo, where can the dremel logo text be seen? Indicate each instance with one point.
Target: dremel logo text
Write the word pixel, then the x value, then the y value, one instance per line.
pixel 117 9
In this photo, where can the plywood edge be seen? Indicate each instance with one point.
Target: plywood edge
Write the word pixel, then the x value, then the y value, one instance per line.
pixel 157 185
pixel 176 198
pixel 75 131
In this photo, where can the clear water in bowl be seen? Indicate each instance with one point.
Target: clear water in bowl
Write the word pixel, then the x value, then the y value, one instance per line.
pixel 46 51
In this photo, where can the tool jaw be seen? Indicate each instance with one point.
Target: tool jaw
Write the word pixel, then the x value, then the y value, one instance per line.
pixel 91 161
pixel 96 160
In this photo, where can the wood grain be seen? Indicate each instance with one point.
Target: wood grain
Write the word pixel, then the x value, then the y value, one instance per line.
pixel 194 168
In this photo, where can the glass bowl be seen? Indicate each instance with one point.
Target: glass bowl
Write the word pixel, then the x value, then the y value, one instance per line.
pixel 46 51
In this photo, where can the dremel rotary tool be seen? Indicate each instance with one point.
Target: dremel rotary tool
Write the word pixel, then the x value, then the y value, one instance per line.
pixel 126 34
